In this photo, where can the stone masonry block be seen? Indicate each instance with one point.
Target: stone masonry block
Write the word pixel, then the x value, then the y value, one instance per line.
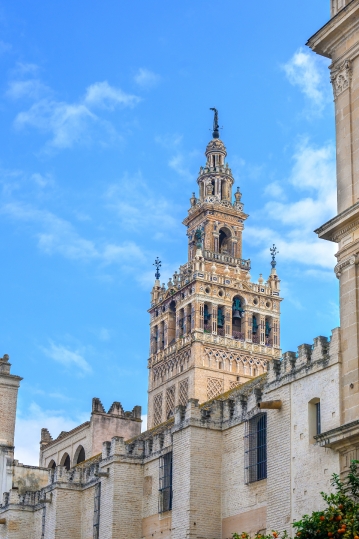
pixel 320 348
pixel 106 448
pixel 192 409
pixel 304 354
pixel 117 446
pixel 289 361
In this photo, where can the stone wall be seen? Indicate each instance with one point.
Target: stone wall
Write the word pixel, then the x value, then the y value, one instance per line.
pixel 212 497
pixel 90 435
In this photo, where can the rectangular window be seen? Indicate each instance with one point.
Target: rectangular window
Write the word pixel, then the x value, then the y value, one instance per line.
pixel 256 448
pixel 96 513
pixel 165 483
pixel 317 417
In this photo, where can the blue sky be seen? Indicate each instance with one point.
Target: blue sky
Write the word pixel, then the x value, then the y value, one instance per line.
pixel 105 119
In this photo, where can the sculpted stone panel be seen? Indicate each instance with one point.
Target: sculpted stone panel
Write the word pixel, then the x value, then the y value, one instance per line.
pixel 341 78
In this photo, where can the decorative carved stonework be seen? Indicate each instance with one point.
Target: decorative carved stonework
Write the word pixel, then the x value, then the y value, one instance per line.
pixel 341 78
pixel 354 259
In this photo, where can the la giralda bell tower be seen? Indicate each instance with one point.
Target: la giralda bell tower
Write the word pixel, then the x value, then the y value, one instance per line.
pixel 212 328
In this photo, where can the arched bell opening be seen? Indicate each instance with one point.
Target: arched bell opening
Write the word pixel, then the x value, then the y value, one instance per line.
pixel 154 340
pixel 52 464
pixel 188 318
pixel 237 318
pixel 171 330
pixel 225 241
pixel 225 190
pixel 65 461
pixel 255 328
pixel 160 336
pixel 268 331
pixel 220 320
pixel 207 315
pixel 181 323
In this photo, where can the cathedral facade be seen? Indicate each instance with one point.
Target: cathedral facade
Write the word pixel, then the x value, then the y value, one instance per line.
pixel 241 437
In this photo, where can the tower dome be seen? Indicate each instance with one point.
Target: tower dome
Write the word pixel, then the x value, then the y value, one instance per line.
pixel 216 146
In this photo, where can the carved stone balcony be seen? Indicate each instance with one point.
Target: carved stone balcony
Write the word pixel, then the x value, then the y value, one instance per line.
pixel 227 259
pixel 238 335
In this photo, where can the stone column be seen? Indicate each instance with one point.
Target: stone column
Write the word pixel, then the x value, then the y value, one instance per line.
pixel 228 321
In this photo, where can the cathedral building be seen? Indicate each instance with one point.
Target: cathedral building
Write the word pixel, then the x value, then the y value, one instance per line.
pixel 241 437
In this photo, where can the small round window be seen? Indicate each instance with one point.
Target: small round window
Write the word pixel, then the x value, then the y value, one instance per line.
pixel 207 290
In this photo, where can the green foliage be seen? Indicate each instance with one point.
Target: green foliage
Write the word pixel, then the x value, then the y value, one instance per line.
pixel 273 535
pixel 340 520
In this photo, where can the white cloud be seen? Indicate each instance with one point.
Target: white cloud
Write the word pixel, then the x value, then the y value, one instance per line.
pixel 146 78
pixel 60 237
pixel 179 164
pixel 104 334
pixel 70 123
pixel 42 180
pixel 139 207
pixel 30 89
pixel 28 430
pixel 68 358
pixel 169 141
pixel 309 73
pixel 274 190
pixel 292 223
pixel 101 94
pixel 313 171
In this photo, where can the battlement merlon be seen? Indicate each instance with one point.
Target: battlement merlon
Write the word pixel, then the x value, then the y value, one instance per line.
pixel 308 358
pixel 116 409
pixel 90 435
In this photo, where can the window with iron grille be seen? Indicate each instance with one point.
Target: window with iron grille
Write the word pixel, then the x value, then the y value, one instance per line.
pixel 317 417
pixel 96 513
pixel 256 448
pixel 165 486
pixel 43 522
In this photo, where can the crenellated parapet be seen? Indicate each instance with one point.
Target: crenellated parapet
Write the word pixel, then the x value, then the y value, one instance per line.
pixel 72 448
pixel 309 358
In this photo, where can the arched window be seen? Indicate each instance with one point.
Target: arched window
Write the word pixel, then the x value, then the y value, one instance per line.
pixel 268 331
pixel 220 317
pixel 171 329
pixel 225 241
pixel 207 319
pixel 65 461
pixel 79 455
pixel 255 332
pixel 237 315
pixel 52 464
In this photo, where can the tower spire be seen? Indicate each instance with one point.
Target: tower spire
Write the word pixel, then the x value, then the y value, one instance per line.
pixel 215 133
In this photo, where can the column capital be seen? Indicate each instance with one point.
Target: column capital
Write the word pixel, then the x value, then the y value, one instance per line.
pixel 341 77
pixel 351 261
